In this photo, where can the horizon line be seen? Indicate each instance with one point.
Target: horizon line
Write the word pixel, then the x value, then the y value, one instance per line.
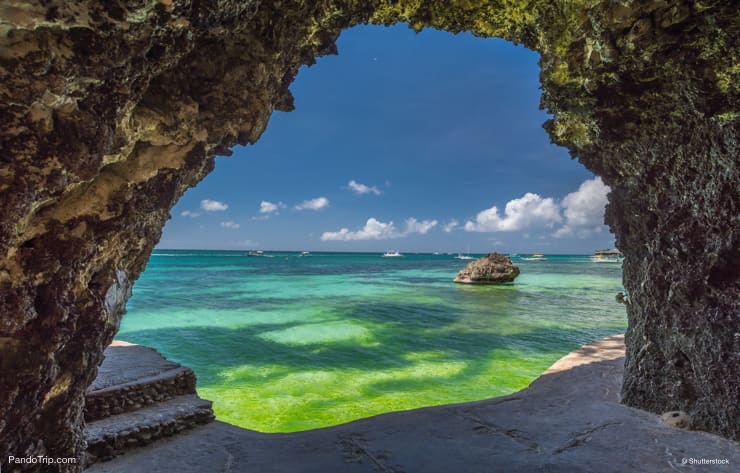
pixel 369 252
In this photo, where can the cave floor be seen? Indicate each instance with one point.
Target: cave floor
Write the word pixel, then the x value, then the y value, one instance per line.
pixel 127 362
pixel 568 420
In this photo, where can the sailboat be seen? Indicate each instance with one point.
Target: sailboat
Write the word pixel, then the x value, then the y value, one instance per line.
pixel 465 256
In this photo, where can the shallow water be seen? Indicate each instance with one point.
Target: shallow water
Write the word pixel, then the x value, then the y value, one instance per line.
pixel 289 343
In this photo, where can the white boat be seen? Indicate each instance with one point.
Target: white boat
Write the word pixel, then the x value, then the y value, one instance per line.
pixel 255 253
pixel 464 256
pixel 535 257
pixel 305 253
pixel 391 254
pixel 607 256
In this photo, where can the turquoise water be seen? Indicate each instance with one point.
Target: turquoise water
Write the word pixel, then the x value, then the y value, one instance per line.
pixel 287 343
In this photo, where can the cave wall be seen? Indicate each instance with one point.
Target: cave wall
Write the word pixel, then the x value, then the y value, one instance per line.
pixel 109 111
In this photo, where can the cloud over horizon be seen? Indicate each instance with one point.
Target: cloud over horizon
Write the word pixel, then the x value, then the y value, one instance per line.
pixel 361 189
pixel 451 225
pixel 528 211
pixel 414 226
pixel 374 229
pixel 313 204
pixel 581 213
pixel 584 209
pixel 212 205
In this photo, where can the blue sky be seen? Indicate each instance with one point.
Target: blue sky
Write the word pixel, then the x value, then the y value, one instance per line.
pixel 405 141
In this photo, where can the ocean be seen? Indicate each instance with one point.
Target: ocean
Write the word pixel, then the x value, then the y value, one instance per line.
pixel 284 342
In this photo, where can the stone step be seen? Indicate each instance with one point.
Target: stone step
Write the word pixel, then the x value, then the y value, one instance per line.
pixel 112 436
pixel 134 376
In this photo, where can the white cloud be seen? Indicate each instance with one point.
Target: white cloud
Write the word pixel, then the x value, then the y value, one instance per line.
pixel 414 226
pixel 584 210
pixel 377 230
pixel 267 207
pixel 360 189
pixel 188 213
pixel 230 224
pixel 313 204
pixel 528 211
pixel 451 225
pixel 212 205
pixel 373 230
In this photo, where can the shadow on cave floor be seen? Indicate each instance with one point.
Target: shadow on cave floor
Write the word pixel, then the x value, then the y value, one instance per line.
pixel 567 420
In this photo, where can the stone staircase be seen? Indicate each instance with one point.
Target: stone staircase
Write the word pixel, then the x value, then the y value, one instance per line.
pixel 137 398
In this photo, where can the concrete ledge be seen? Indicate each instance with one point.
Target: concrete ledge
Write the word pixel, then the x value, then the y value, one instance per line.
pixel 114 435
pixel 127 362
pixel 122 398
pixel 137 398
pixel 568 420
pixel 134 376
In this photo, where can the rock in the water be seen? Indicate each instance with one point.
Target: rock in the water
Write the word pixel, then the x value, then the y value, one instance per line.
pixel 493 268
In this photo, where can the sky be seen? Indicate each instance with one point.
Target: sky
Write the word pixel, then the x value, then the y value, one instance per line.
pixel 404 141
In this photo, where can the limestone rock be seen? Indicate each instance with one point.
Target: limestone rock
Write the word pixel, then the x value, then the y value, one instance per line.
pixel 677 419
pixel 493 268
pixel 110 111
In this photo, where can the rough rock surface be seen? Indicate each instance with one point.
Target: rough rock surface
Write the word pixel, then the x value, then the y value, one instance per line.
pixel 569 420
pixel 109 111
pixel 493 268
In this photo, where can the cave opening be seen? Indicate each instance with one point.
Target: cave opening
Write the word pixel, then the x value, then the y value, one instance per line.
pixel 440 127
pixel 110 111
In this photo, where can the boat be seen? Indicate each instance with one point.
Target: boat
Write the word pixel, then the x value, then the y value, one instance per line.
pixel 391 254
pixel 607 255
pixel 305 253
pixel 255 253
pixel 464 256
pixel 535 257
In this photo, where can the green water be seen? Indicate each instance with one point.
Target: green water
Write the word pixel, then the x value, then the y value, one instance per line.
pixel 289 343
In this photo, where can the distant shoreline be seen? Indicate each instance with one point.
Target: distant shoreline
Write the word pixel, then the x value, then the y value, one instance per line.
pixel 369 252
